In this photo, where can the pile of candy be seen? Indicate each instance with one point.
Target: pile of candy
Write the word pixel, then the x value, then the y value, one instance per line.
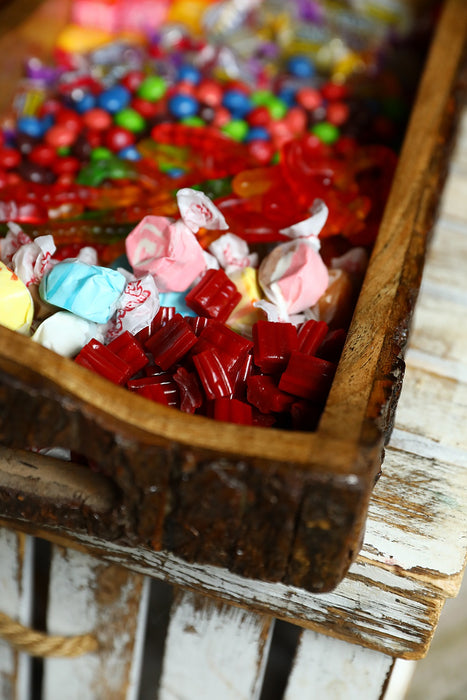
pixel 196 236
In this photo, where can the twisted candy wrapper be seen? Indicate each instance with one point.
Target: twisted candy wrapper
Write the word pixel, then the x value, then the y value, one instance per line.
pixel 166 250
pixel 233 253
pixel 293 276
pixel 89 291
pixel 198 211
pixel 14 239
pixel 32 260
pixel 137 306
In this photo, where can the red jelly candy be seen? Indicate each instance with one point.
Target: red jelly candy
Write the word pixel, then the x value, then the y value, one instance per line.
pixel 191 396
pixel 127 347
pixel 171 342
pixel 239 375
pixel 160 388
pixel 215 296
pixel 332 346
pixel 232 411
pixel 213 375
pixel 307 376
pixel 231 346
pixel 98 358
pixel 273 343
pixel 265 395
pixel 311 335
pixel 164 315
pixel 197 323
pixel 304 415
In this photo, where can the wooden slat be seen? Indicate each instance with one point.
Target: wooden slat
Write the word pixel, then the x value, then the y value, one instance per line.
pixel 331 669
pixel 87 596
pixel 213 651
pixel 16 553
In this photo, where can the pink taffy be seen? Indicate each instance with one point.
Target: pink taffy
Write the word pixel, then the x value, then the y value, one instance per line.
pixel 293 276
pixel 168 251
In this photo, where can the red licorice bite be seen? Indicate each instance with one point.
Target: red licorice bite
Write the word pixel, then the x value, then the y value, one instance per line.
pixel 215 296
pixel 307 376
pixel 129 349
pixel 310 336
pixel 171 342
pixel 264 394
pixel 232 411
pixel 239 375
pixel 213 375
pixel 332 346
pixel 160 388
pixel 231 346
pixel 162 317
pixel 273 344
pixel 191 396
pixel 98 358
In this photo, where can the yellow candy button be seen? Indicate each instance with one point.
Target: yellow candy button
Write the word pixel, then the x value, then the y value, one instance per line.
pixel 16 305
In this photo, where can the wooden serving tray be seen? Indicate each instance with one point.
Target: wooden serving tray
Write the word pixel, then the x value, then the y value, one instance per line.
pixel 263 503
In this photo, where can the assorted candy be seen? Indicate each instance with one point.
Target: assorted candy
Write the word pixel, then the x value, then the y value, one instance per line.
pixel 191 221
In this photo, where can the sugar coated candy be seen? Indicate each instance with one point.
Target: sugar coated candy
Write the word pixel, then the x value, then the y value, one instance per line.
pixel 16 305
pixel 293 276
pixel 66 334
pixel 167 250
pixel 89 291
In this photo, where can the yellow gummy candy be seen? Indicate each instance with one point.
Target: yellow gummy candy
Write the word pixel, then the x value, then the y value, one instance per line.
pixel 77 39
pixel 16 305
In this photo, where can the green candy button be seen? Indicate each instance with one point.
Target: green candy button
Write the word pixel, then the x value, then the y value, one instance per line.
pixel 130 119
pixel 152 88
pixel 326 132
pixel 237 129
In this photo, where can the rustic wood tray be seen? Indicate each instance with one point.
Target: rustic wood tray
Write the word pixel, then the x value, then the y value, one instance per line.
pixel 263 503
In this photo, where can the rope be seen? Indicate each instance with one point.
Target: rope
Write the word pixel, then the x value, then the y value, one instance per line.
pixel 40 644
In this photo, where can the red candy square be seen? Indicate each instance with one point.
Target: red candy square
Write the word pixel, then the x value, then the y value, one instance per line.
pixel 171 342
pixel 127 347
pixel 160 388
pixel 215 296
pixel 273 344
pixel 307 376
pixel 266 396
pixel 232 411
pixel 311 335
pixel 213 375
pixel 98 358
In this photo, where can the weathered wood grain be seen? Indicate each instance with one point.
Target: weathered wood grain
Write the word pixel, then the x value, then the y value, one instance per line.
pixel 16 598
pixel 214 651
pixel 331 669
pixel 87 596
pixel 161 462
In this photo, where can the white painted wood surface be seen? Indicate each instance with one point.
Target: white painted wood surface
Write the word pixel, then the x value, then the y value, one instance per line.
pixel 87 596
pixel 16 554
pixel 330 669
pixel 214 651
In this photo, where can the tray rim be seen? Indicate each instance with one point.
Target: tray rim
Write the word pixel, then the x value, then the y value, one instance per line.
pixel 350 423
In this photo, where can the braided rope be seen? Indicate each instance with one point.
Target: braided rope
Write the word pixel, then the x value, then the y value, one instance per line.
pixel 40 644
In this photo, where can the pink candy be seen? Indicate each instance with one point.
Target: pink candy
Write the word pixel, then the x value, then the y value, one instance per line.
pixel 293 276
pixel 168 251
